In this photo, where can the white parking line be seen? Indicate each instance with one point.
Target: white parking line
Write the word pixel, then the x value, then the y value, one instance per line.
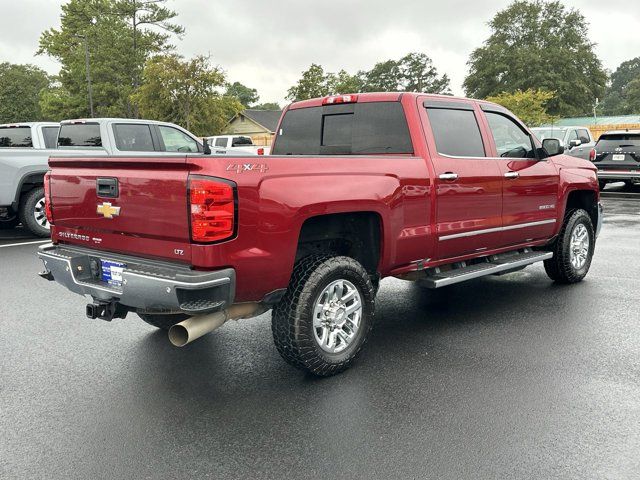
pixel 24 243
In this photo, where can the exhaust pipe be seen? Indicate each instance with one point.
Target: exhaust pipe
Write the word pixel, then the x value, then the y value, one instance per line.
pixel 194 327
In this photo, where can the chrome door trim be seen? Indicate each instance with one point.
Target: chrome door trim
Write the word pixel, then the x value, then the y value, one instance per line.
pixel 497 229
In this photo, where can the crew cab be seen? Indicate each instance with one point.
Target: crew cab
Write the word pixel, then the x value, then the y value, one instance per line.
pixel 241 143
pixel 577 141
pixel 26 148
pixel 617 156
pixel 427 188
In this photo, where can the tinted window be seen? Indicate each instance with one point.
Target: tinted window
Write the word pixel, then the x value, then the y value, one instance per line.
pixel 15 137
pixel 349 129
pixel 456 132
pixel 177 141
pixel 511 140
pixel 133 138
pixel 543 133
pixel 608 143
pixel 84 135
pixel 583 136
pixel 240 141
pixel 221 142
pixel 50 135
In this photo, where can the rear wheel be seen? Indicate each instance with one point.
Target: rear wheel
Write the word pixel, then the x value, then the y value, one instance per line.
pixel 163 321
pixel 573 250
pixel 32 213
pixel 324 319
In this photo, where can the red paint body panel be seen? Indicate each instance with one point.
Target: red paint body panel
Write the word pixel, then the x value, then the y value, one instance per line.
pixel 415 207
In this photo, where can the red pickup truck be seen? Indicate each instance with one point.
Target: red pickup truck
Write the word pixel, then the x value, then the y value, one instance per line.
pixel 428 188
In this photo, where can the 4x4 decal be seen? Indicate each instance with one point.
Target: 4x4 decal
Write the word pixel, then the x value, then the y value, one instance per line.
pixel 247 167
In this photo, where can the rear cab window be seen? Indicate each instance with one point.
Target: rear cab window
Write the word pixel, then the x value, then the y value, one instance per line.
pixel 344 129
pixel 15 137
pixel 241 141
pixel 80 135
pixel 609 142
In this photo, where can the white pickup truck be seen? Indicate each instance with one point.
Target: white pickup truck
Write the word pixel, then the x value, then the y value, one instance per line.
pixel 577 141
pixel 240 143
pixel 25 149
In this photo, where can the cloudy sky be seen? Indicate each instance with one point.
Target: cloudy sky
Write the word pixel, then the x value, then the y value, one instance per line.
pixel 266 44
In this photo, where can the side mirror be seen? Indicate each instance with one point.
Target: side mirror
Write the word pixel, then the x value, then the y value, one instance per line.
pixel 206 149
pixel 552 146
pixel 575 143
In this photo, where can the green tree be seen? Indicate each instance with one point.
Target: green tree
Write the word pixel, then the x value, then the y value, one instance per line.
pixel 541 45
pixel 529 105
pixel 245 95
pixel 20 87
pixel 418 74
pixel 616 101
pixel 185 92
pixel 343 82
pixel 117 52
pixel 312 84
pixel 267 106
pixel 632 96
pixel 383 77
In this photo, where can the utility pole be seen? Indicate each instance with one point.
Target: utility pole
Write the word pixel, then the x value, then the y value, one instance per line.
pixel 88 70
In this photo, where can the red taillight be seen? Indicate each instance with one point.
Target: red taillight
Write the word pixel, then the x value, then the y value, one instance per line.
pixel 339 99
pixel 593 154
pixel 48 209
pixel 260 151
pixel 212 209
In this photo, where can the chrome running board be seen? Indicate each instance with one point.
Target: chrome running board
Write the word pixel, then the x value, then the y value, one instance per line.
pixel 494 264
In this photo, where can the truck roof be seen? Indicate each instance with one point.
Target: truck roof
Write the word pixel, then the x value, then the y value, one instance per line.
pixel 621 132
pixel 30 124
pixel 115 119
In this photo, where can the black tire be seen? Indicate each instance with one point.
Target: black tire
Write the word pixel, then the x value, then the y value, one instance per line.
pixel 163 321
pixel 28 205
pixel 9 223
pixel 292 318
pixel 559 268
pixel 602 184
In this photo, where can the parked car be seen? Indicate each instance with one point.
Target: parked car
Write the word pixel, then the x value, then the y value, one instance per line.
pixel 577 141
pixel 237 142
pixel 21 141
pixel 25 149
pixel 408 185
pixel 617 156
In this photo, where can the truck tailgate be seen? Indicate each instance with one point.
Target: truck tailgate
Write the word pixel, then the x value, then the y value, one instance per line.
pixel 133 205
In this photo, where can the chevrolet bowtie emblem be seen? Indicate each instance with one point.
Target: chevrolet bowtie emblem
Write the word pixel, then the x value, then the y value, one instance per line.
pixel 107 210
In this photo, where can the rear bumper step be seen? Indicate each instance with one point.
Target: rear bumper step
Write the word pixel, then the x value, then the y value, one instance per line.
pixel 494 264
pixel 146 285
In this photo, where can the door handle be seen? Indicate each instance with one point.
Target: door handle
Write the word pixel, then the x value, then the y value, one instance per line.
pixel 448 176
pixel 511 175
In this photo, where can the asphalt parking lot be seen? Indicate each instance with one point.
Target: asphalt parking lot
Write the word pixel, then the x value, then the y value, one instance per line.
pixel 504 377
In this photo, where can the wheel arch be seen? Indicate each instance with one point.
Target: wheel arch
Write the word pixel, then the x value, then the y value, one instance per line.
pixel 26 184
pixel 583 199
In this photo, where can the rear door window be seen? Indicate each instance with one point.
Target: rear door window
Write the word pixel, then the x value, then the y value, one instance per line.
pixel 81 135
pixel 221 142
pixel 133 137
pixel 510 139
pixel 15 137
pixel 50 135
pixel 346 129
pixel 456 132
pixel 177 141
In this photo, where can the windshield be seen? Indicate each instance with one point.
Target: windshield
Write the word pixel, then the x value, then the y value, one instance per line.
pixel 543 133
pixel 624 140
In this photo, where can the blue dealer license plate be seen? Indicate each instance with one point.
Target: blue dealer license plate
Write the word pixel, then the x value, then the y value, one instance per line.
pixel 111 272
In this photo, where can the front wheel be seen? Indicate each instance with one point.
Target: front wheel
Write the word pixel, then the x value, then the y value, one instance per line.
pixel 324 319
pixel 573 249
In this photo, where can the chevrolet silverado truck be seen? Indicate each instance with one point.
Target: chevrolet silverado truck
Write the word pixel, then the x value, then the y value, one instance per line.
pixel 25 150
pixel 432 189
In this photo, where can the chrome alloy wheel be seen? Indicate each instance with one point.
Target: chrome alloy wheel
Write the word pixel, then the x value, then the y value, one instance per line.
pixel 579 249
pixel 40 214
pixel 336 316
